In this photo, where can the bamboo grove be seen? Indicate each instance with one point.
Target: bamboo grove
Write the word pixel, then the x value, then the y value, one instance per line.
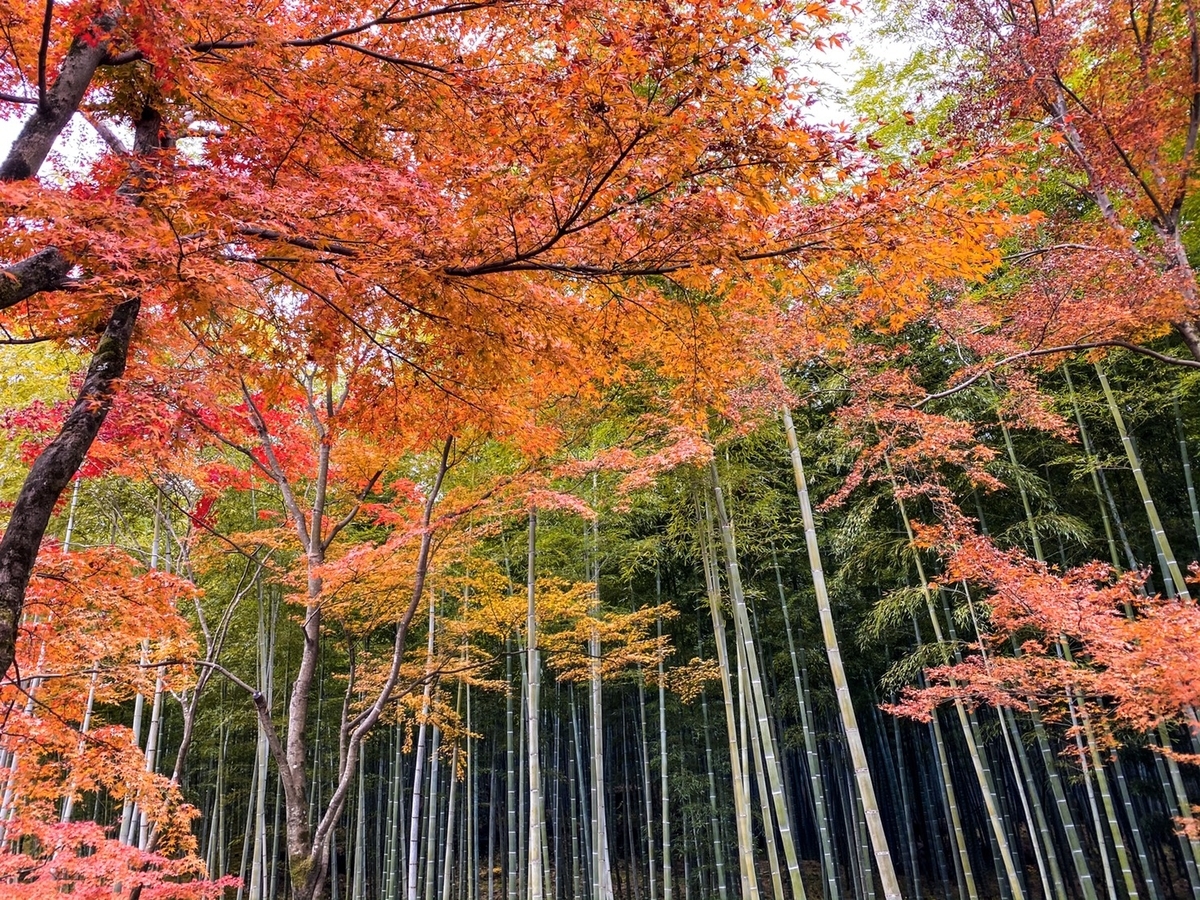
pixel 515 450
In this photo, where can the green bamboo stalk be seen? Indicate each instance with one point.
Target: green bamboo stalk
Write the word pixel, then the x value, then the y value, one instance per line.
pixel 359 878
pixel 1075 700
pixel 858 753
pixel 602 867
pixel 862 842
pixel 573 810
pixel 414 831
pixel 714 819
pixel 585 818
pixel 522 783
pixel 1017 747
pixel 1186 458
pixel 964 873
pixel 493 790
pixel 510 776
pixel 647 800
pixel 765 748
pixel 533 665
pixel 1093 470
pixel 751 736
pixel 1170 793
pixel 665 790
pixel 1040 837
pixel 906 811
pixel 741 801
pixel 989 783
pixel 451 809
pixel 926 776
pixel 433 817
pixel 255 776
pixel 1139 842
pixel 989 799
pixel 273 891
pixel 828 869
pixel 266 624
pixel 1184 806
pixel 395 788
pixel 1063 809
pixel 1156 527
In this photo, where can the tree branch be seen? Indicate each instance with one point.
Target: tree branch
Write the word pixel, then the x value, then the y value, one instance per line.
pixel 43 49
pixel 350 516
pixel 335 247
pixel 285 486
pixel 364 721
pixel 1051 351
pixel 44 271
pixel 61 101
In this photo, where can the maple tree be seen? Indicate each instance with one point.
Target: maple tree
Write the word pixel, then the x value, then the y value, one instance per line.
pixel 1130 649
pixel 310 189
pixel 1114 92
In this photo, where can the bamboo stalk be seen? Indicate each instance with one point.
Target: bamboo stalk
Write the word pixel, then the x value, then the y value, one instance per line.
pixel 989 799
pixel 741 800
pixel 828 869
pixel 533 667
pixel 1161 542
pixel 665 789
pixel 765 746
pixel 858 754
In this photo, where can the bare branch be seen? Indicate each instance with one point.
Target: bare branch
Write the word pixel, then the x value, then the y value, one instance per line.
pixel 105 132
pixel 285 487
pixel 1051 351
pixel 1052 248
pixel 43 49
pixel 350 516
pixel 336 247
pixel 364 721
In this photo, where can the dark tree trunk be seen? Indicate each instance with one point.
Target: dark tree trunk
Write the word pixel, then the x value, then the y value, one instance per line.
pixel 43 271
pixel 62 100
pixel 52 471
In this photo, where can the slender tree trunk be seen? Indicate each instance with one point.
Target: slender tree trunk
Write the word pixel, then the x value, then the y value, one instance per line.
pixel 54 467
